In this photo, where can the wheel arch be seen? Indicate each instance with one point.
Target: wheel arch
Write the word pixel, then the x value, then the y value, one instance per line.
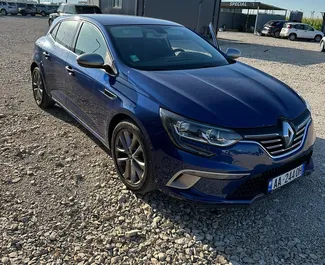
pixel 121 116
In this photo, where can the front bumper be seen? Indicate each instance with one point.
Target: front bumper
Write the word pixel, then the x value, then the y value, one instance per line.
pixel 241 171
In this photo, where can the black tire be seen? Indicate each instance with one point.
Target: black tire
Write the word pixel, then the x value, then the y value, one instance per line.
pixel 276 34
pixel 4 12
pixel 14 14
pixel 42 99
pixel 322 46
pixel 50 22
pixel 130 159
pixel 23 13
pixel 33 14
pixel 43 14
pixel 318 38
pixel 292 37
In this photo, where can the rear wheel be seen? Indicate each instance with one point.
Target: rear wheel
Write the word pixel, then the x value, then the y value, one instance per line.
pixel 276 34
pixel 322 46
pixel 50 22
pixel 4 12
pixel 14 14
pixel 292 37
pixel 23 13
pixel 132 157
pixel 318 38
pixel 43 13
pixel 42 99
pixel 33 14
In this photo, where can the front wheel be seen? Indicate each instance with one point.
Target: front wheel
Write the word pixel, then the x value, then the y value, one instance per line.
pixel 318 38
pixel 4 12
pixel 322 46
pixel 23 13
pixel 42 99
pixel 132 157
pixel 33 15
pixel 43 14
pixel 50 22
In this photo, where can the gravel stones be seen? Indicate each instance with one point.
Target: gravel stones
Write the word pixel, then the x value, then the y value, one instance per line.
pixel 61 201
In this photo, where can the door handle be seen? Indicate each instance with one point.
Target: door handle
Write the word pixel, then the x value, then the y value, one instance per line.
pixel 70 70
pixel 46 55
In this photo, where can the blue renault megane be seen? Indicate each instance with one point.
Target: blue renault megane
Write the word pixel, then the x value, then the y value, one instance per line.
pixel 178 114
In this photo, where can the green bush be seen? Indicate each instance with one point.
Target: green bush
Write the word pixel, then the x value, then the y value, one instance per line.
pixel 314 22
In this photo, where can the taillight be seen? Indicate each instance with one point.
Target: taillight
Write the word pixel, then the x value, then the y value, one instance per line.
pixel 289 26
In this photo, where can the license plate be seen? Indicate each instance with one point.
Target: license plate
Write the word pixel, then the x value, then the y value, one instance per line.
pixel 285 178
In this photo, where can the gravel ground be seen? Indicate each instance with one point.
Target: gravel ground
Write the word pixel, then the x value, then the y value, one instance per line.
pixel 61 201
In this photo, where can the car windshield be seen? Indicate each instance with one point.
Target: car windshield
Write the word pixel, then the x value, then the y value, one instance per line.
pixel 158 47
pixel 21 4
pixel 88 10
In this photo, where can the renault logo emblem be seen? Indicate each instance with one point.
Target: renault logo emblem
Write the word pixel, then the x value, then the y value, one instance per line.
pixel 288 134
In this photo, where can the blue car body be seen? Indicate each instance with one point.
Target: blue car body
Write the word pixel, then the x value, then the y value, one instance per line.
pixel 235 96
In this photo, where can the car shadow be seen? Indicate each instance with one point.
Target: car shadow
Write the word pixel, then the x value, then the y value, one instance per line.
pixel 59 113
pixel 274 53
pixel 294 213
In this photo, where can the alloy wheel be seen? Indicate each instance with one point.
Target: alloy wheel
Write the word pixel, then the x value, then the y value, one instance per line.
pixel 130 158
pixel 3 12
pixel 277 34
pixel 38 87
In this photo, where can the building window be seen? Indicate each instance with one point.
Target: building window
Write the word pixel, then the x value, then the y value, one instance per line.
pixel 117 3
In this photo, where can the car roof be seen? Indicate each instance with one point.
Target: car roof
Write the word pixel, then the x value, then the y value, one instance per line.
pixel 109 20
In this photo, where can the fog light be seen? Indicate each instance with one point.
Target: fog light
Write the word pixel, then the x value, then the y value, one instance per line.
pixel 186 179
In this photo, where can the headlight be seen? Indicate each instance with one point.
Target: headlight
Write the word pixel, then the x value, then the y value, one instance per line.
pixel 180 129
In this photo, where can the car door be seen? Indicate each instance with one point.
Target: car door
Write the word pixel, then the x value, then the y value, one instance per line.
pixel 54 58
pixel 299 29
pixel 90 96
pixel 310 32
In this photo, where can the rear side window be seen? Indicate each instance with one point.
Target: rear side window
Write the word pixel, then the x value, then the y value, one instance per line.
pixel 69 10
pixel 90 40
pixel 60 8
pixel 55 31
pixel 88 10
pixel 66 32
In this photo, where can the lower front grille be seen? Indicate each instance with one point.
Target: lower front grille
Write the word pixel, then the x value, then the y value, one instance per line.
pixel 259 184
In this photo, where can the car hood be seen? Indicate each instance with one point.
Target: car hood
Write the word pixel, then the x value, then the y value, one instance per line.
pixel 232 96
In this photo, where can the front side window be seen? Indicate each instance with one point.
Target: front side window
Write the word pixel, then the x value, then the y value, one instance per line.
pixel 117 3
pixel 158 47
pixel 66 32
pixel 90 40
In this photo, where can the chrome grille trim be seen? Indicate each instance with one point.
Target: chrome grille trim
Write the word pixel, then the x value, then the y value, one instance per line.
pixel 267 146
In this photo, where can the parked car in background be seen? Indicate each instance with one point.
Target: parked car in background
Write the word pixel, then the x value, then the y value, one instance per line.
pixel 45 10
pixel 8 8
pixel 26 9
pixel 178 114
pixel 322 45
pixel 293 31
pixel 70 9
pixel 273 28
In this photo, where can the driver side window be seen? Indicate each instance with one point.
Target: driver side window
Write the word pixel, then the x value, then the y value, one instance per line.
pixel 90 40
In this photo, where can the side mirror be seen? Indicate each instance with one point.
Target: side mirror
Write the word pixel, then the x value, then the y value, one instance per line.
pixel 93 60
pixel 233 53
